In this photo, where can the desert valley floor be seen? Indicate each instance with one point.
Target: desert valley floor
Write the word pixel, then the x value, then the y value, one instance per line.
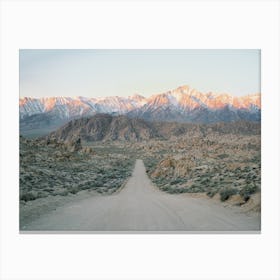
pixel 138 176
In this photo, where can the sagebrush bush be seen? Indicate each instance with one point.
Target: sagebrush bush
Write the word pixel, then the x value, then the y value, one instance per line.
pixel 176 181
pixel 247 191
pixel 226 193
pixel 211 193
pixel 64 193
pixel 73 190
pixel 28 196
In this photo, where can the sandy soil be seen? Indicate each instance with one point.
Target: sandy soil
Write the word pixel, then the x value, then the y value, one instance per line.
pixel 140 206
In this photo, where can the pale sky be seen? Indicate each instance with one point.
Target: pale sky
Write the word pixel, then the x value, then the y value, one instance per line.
pixel 97 73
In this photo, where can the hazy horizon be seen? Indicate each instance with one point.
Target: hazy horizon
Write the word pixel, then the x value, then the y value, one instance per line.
pixel 102 73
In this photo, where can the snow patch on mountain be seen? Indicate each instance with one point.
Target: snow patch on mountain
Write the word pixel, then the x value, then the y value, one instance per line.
pixel 182 100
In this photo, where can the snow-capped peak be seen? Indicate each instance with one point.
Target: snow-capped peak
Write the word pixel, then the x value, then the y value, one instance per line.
pixel 183 99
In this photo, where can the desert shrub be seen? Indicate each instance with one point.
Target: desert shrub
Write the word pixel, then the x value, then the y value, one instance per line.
pixel 117 185
pixel 222 156
pixel 165 188
pixel 101 171
pixel 247 191
pixel 196 187
pixel 42 194
pixel 98 184
pixel 211 193
pixel 85 186
pixel 181 190
pixel 205 181
pixel 150 164
pixel 175 190
pixel 62 192
pixel 176 181
pixel 73 190
pixel 50 190
pixel 110 175
pixel 28 196
pixel 226 193
pixel 101 190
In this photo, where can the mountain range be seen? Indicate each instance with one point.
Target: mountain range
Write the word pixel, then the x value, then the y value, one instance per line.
pixel 183 104
pixel 105 127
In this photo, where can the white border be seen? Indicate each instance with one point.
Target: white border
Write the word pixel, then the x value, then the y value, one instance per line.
pixel 156 24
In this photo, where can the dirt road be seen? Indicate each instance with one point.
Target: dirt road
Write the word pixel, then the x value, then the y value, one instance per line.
pixel 140 206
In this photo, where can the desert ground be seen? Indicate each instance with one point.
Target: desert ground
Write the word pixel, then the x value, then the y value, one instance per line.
pixel 197 181
pixel 140 206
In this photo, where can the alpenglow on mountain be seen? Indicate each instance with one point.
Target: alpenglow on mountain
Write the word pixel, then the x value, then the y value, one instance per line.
pixel 183 104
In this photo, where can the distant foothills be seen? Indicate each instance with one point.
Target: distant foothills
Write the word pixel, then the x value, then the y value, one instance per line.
pixel 105 127
pixel 184 105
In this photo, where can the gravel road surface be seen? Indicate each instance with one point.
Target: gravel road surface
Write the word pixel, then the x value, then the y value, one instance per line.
pixel 140 206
